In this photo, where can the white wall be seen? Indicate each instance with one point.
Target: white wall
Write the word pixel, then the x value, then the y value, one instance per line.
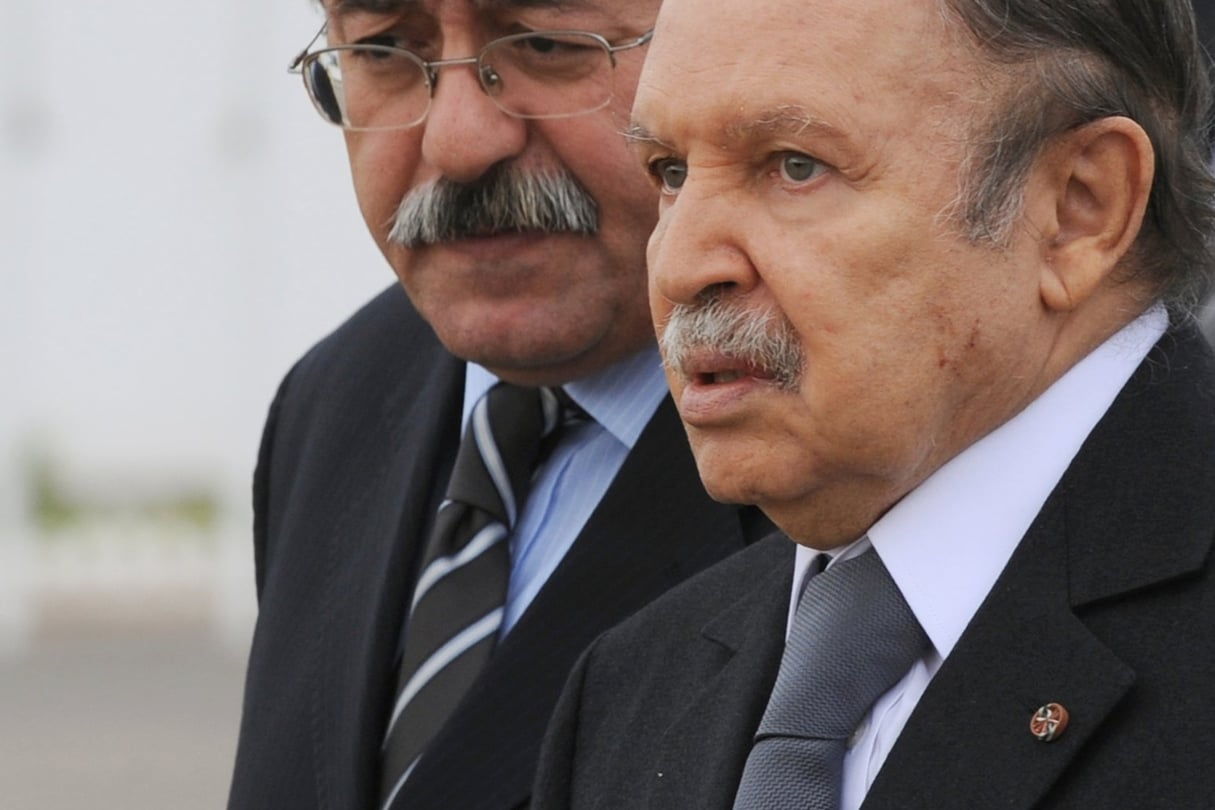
pixel 187 224
pixel 176 226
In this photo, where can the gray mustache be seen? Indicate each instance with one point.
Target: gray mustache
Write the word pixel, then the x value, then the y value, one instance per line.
pixel 504 200
pixel 764 339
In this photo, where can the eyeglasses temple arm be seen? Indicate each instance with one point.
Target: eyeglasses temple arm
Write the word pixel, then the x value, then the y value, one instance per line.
pixel 636 43
pixel 299 57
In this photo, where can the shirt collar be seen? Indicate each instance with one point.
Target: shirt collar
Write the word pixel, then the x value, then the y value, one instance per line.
pixel 946 542
pixel 621 398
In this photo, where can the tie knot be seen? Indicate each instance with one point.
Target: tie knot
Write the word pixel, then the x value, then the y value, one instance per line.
pixel 504 442
pixel 560 410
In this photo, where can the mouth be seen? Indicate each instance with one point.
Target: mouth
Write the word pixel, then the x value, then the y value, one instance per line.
pixel 487 231
pixel 719 377
pixel 717 387
pixel 710 369
pixel 490 245
pixel 477 234
pixel 412 237
pixel 730 376
pixel 498 235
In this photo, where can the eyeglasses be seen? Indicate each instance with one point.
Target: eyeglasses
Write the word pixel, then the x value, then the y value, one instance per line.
pixel 541 74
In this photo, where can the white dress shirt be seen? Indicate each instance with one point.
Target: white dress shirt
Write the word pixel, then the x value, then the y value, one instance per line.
pixel 946 542
pixel 620 401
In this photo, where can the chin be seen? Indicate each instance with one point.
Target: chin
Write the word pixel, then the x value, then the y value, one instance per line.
pixel 728 469
pixel 507 342
pixel 727 487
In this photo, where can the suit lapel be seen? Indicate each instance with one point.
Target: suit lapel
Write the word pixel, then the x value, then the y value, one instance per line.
pixel 654 527
pixel 1129 514
pixel 968 743
pixel 369 566
pixel 701 757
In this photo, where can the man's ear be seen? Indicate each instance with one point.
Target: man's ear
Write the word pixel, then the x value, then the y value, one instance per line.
pixel 1088 199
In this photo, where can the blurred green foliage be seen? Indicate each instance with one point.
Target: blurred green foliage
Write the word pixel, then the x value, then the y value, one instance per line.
pixel 56 509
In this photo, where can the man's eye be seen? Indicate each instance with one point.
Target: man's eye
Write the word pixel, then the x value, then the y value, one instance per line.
pixel 379 39
pixel 670 173
pixel 403 40
pixel 540 44
pixel 798 168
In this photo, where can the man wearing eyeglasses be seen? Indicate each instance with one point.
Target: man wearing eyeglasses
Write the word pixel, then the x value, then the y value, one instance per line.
pixel 485 145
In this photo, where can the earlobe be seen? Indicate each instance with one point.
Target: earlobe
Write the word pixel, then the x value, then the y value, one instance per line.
pixel 1099 177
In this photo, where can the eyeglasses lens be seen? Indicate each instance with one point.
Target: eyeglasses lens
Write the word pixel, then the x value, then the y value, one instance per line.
pixel 530 76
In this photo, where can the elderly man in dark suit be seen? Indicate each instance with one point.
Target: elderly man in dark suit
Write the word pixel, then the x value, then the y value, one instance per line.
pixel 423 597
pixel 923 275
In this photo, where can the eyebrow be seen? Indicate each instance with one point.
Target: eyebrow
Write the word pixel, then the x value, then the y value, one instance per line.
pixel 786 119
pixel 371 6
pixel 500 5
pixel 637 133
pixel 390 6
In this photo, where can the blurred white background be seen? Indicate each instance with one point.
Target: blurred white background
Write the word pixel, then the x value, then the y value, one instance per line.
pixel 176 227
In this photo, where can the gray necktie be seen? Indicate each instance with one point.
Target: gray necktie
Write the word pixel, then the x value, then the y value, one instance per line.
pixel 853 638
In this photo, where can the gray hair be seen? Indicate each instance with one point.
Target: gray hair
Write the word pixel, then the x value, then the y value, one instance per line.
pixel 1090 59
pixel 506 199
pixel 763 339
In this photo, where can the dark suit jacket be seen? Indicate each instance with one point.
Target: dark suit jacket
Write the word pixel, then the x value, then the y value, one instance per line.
pixel 355 455
pixel 1106 607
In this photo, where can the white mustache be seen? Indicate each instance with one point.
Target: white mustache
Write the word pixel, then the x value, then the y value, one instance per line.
pixel 504 200
pixel 762 339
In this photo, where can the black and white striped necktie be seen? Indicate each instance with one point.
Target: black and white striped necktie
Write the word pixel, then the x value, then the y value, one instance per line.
pixel 460 595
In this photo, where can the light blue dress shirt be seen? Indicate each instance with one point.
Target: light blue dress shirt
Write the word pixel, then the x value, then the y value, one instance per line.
pixel 620 400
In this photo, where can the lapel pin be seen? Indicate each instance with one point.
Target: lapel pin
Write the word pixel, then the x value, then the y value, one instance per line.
pixel 1048 722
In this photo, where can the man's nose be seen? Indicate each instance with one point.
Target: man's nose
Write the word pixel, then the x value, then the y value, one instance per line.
pixel 466 133
pixel 698 245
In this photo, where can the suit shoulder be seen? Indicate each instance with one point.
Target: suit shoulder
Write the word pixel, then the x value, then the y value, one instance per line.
pixel 379 389
pixel 387 325
pixel 367 360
